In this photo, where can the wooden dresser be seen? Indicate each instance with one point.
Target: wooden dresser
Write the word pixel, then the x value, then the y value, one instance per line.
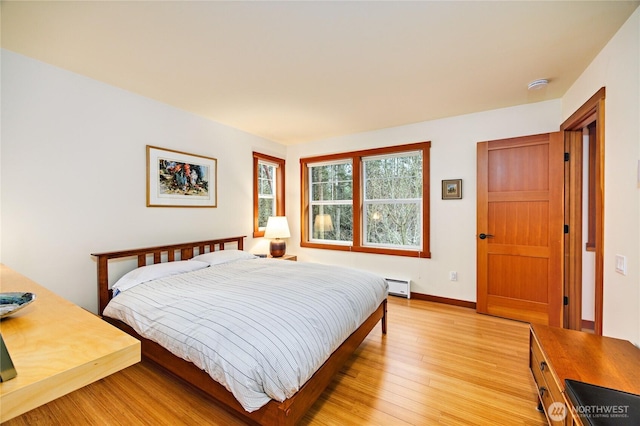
pixel 56 347
pixel 557 354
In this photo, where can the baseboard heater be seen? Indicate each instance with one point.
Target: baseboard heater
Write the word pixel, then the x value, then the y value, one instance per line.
pixel 400 288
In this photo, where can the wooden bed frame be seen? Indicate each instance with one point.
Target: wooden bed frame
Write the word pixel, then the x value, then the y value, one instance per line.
pixel 287 412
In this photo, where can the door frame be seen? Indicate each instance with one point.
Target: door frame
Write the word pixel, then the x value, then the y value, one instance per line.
pixel 590 112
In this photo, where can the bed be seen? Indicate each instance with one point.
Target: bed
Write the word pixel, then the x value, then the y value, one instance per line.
pixel 229 279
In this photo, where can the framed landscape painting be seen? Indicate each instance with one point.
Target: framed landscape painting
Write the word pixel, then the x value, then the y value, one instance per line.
pixel 452 189
pixel 179 179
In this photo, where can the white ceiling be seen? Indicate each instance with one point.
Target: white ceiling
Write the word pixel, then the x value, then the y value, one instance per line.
pixel 301 71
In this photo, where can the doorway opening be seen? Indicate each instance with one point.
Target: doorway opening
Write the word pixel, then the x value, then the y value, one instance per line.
pixel 584 215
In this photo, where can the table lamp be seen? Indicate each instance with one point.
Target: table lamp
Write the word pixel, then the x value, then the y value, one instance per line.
pixel 277 228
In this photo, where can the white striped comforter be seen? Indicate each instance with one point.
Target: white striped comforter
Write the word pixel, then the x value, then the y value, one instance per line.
pixel 260 327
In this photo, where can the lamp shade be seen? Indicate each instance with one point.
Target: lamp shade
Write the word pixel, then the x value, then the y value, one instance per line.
pixel 277 227
pixel 323 223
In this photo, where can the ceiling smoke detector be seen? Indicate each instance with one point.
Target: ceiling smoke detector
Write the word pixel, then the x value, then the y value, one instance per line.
pixel 538 84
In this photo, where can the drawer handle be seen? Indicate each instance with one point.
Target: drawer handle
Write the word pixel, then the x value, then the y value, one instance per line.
pixel 543 365
pixel 542 391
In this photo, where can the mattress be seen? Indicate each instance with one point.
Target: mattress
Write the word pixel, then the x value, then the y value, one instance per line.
pixel 260 327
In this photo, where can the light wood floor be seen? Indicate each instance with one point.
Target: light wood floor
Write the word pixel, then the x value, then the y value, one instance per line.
pixel 438 364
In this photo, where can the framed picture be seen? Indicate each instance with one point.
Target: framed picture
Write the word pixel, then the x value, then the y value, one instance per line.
pixel 452 189
pixel 179 179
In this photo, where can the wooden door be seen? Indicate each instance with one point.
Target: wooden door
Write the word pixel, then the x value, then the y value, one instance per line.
pixel 520 228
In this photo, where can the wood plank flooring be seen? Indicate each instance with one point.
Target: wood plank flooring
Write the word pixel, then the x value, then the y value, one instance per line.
pixel 438 364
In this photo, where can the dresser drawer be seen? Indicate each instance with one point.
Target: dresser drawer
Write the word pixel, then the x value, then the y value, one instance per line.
pixel 548 389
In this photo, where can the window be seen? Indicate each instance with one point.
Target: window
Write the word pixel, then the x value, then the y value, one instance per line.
pixel 392 202
pixel 331 202
pixel 268 190
pixel 374 201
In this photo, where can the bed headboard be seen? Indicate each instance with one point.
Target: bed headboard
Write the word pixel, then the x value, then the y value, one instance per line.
pixel 158 254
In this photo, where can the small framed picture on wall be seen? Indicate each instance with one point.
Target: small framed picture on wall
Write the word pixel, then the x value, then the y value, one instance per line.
pixel 452 189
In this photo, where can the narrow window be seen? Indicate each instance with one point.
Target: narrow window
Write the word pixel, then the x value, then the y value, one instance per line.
pixel 268 191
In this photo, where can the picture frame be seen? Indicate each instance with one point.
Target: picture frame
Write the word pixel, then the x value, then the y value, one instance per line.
pixel 452 189
pixel 180 179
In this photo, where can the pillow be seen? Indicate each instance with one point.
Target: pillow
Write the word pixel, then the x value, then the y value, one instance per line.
pixel 152 272
pixel 223 256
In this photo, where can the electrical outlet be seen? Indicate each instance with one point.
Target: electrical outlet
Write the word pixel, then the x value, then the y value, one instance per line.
pixel 453 276
pixel 621 264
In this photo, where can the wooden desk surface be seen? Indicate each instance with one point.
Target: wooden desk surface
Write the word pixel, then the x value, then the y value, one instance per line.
pixel 56 347
pixel 602 361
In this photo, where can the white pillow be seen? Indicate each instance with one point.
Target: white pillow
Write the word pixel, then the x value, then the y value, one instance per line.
pixel 223 256
pixel 152 272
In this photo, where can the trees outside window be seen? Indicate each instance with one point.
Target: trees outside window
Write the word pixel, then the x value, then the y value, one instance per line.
pixel 392 201
pixel 373 201
pixel 268 191
pixel 331 201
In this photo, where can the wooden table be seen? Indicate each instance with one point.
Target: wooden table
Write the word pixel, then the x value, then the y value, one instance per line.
pixel 56 347
pixel 291 257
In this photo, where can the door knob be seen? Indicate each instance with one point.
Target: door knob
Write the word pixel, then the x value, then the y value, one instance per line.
pixel 483 236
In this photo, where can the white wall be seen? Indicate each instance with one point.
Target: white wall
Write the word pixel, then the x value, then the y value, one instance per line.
pixel 588 257
pixel 453 222
pixel 617 67
pixel 74 177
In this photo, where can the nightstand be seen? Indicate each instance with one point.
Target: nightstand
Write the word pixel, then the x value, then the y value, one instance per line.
pixel 285 257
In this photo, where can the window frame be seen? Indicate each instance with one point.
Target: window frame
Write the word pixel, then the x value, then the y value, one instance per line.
pixel 358 244
pixel 279 189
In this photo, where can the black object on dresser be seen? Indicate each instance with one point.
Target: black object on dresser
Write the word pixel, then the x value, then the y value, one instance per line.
pixel 600 406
